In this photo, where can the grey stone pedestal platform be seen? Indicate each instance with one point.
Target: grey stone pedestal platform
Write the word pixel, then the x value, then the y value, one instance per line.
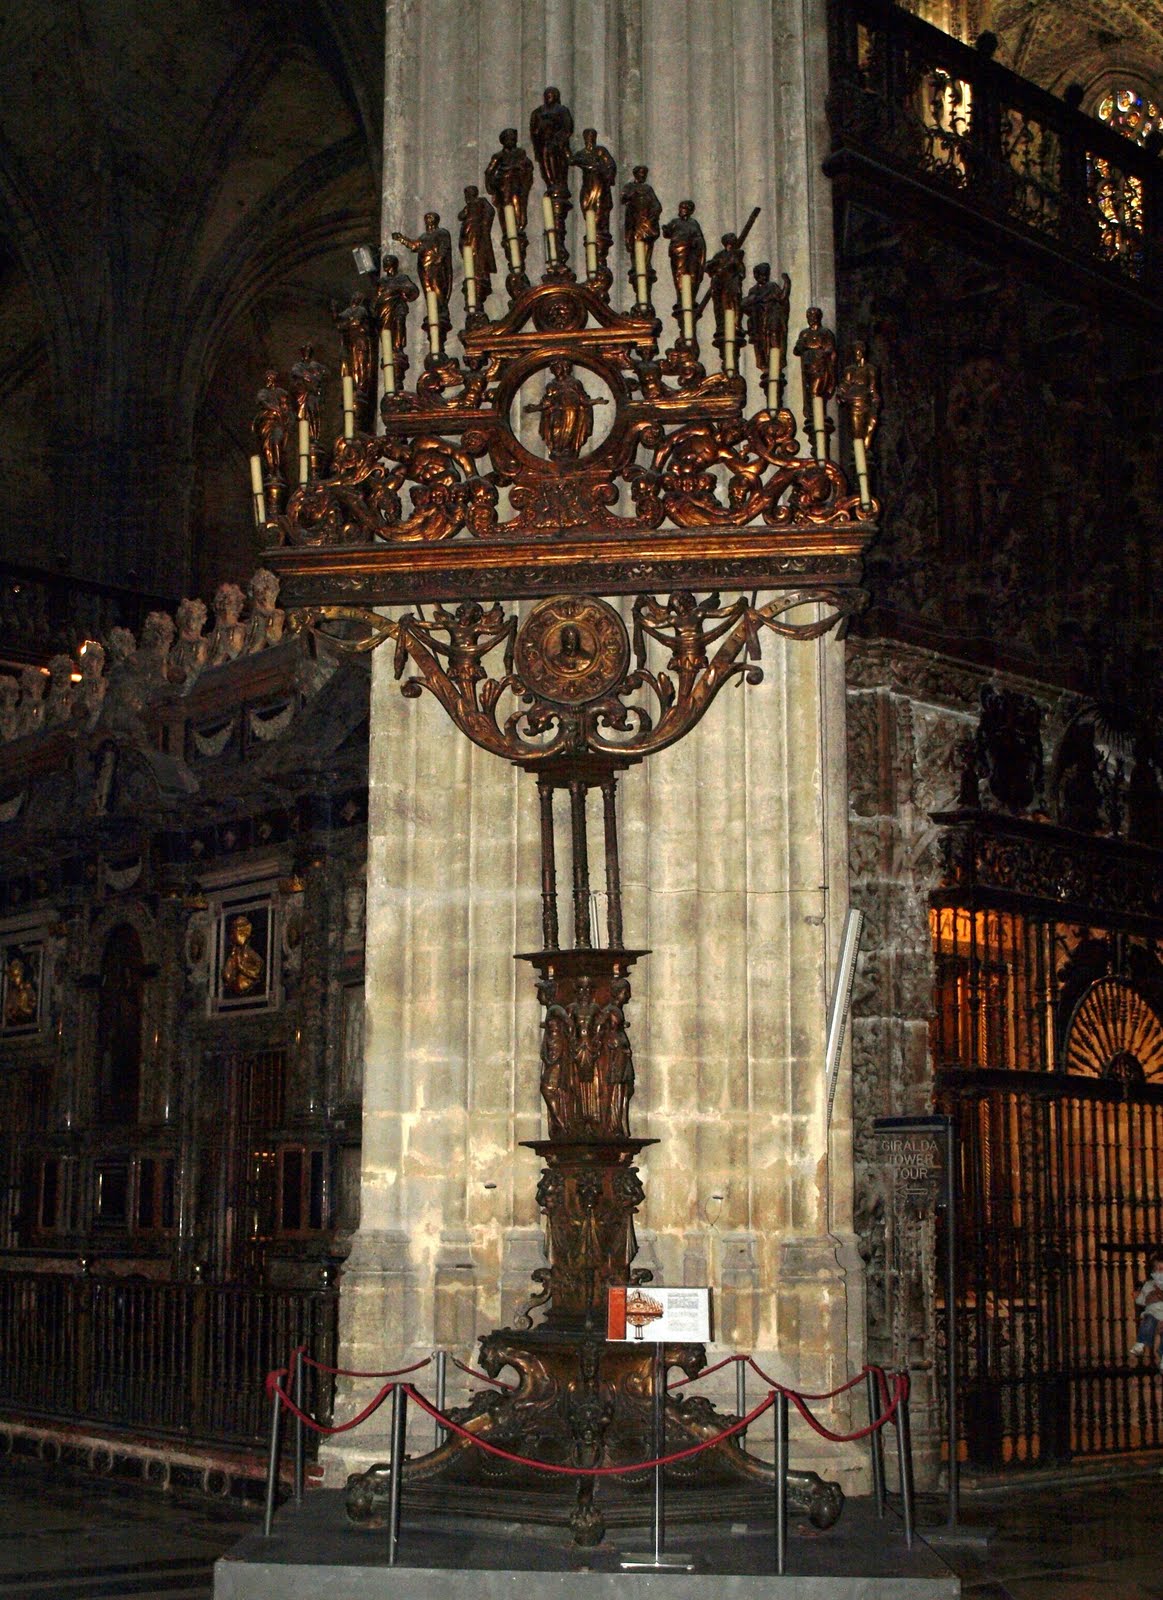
pixel 315 1554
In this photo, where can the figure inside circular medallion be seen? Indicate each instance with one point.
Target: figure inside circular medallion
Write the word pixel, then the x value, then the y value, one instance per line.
pixel 572 648
pixel 574 412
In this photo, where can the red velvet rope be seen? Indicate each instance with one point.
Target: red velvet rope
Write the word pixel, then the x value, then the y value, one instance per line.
pixel 681 1383
pixel 352 1372
pixel 587 1472
pixel 891 1403
pixel 273 1387
pixel 484 1377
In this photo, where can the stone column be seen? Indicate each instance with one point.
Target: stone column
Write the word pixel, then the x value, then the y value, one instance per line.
pixel 734 841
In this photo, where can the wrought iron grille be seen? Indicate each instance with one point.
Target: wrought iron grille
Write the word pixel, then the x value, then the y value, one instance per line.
pixel 1048 1045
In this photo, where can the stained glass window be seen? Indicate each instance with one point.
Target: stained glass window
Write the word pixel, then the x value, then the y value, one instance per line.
pixel 1128 112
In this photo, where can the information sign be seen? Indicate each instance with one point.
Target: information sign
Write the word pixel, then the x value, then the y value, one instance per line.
pixel 655 1314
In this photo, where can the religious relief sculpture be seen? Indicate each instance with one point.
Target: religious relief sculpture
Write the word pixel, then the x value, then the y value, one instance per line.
pixel 567 414
pixel 244 968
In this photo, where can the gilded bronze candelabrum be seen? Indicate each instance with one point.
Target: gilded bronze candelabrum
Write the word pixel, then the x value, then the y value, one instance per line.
pixel 648 478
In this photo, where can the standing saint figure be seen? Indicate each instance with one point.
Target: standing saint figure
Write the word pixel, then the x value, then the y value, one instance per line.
pixel 307 377
pixel 244 966
pixel 859 390
pixel 599 172
pixel 476 231
pixel 816 348
pixel 272 424
pixel 550 130
pixel 725 270
pixel 509 178
pixel 688 249
pixel 433 263
pixel 567 413
pixel 766 306
pixel 642 209
pixel 394 291
pixel 354 322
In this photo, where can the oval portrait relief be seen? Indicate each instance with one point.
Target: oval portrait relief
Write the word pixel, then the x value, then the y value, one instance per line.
pixel 572 648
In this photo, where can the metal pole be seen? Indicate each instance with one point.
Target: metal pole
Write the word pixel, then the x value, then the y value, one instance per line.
pixel 399 1404
pixel 904 1450
pixel 659 1435
pixel 741 1396
pixel 300 1442
pixel 441 1380
pixel 272 1464
pixel 951 1321
pixel 781 1452
pixel 875 1442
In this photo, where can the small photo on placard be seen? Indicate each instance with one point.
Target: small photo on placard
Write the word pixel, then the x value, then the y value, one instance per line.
pixel 654 1314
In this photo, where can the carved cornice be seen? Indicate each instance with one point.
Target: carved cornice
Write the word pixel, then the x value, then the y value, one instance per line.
pixel 1073 875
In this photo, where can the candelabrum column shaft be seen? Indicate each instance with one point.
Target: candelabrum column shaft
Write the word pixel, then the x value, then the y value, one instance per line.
pixel 581 866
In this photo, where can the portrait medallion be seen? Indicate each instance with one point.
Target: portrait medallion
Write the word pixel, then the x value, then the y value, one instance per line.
pixel 572 648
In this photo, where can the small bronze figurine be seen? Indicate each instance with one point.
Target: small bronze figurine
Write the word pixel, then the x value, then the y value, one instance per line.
pixel 766 306
pixel 688 258
pixel 567 414
pixel 599 172
pixel 642 212
pixel 509 178
pixel 859 390
pixel 20 997
pixel 816 348
pixel 307 377
pixel 550 130
pixel 433 265
pixel 394 292
pixel 272 426
pixel 354 322
pixel 725 270
pixel 476 234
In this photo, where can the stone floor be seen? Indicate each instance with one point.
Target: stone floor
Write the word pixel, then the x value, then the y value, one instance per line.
pixel 64 1536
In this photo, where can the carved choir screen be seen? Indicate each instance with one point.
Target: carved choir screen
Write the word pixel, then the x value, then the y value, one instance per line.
pixel 1048 1045
pixel 647 473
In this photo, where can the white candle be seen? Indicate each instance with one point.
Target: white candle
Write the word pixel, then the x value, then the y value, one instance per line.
pixel 304 450
pixel 774 363
pixel 729 339
pixel 591 219
pixel 348 405
pixel 550 230
pixel 433 320
pixel 512 243
pixel 861 455
pixel 643 288
pixel 470 278
pixel 686 294
pixel 819 427
pixel 256 474
pixel 388 361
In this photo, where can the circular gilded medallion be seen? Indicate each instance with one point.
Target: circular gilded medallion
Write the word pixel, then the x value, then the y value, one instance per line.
pixel 572 648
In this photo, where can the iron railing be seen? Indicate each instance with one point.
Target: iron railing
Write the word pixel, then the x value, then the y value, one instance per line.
pixel 181 1359
pixel 967 135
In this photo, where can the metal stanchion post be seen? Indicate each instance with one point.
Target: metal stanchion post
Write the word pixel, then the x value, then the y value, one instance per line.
pixel 300 1441
pixel 781 1453
pixel 399 1404
pixel 875 1442
pixel 441 1385
pixel 904 1446
pixel 272 1464
pixel 741 1396
pixel 659 1436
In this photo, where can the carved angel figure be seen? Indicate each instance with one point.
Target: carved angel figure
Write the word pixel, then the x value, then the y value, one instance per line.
pixel 472 633
pixel 680 624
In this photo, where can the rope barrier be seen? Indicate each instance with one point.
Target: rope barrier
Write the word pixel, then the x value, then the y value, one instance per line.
pixel 497 1383
pixel 681 1383
pixel 891 1399
pixel 353 1372
pixel 588 1472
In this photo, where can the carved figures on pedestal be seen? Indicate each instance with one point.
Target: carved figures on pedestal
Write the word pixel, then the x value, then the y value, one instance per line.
pixel 394 293
pixel 642 210
pixel 509 178
pixel 726 269
pixel 264 626
pixel 688 255
pixel 550 130
pixel 433 250
pixel 272 427
pixel 816 348
pixel 567 414
pixel 599 173
pixel 587 1065
pixel 307 379
pixel 476 219
pixel 766 306
pixel 228 635
pixel 859 391
pixel 188 656
pixel 354 322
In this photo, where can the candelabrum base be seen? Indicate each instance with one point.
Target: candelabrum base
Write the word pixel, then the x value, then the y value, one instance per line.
pixel 581 1401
